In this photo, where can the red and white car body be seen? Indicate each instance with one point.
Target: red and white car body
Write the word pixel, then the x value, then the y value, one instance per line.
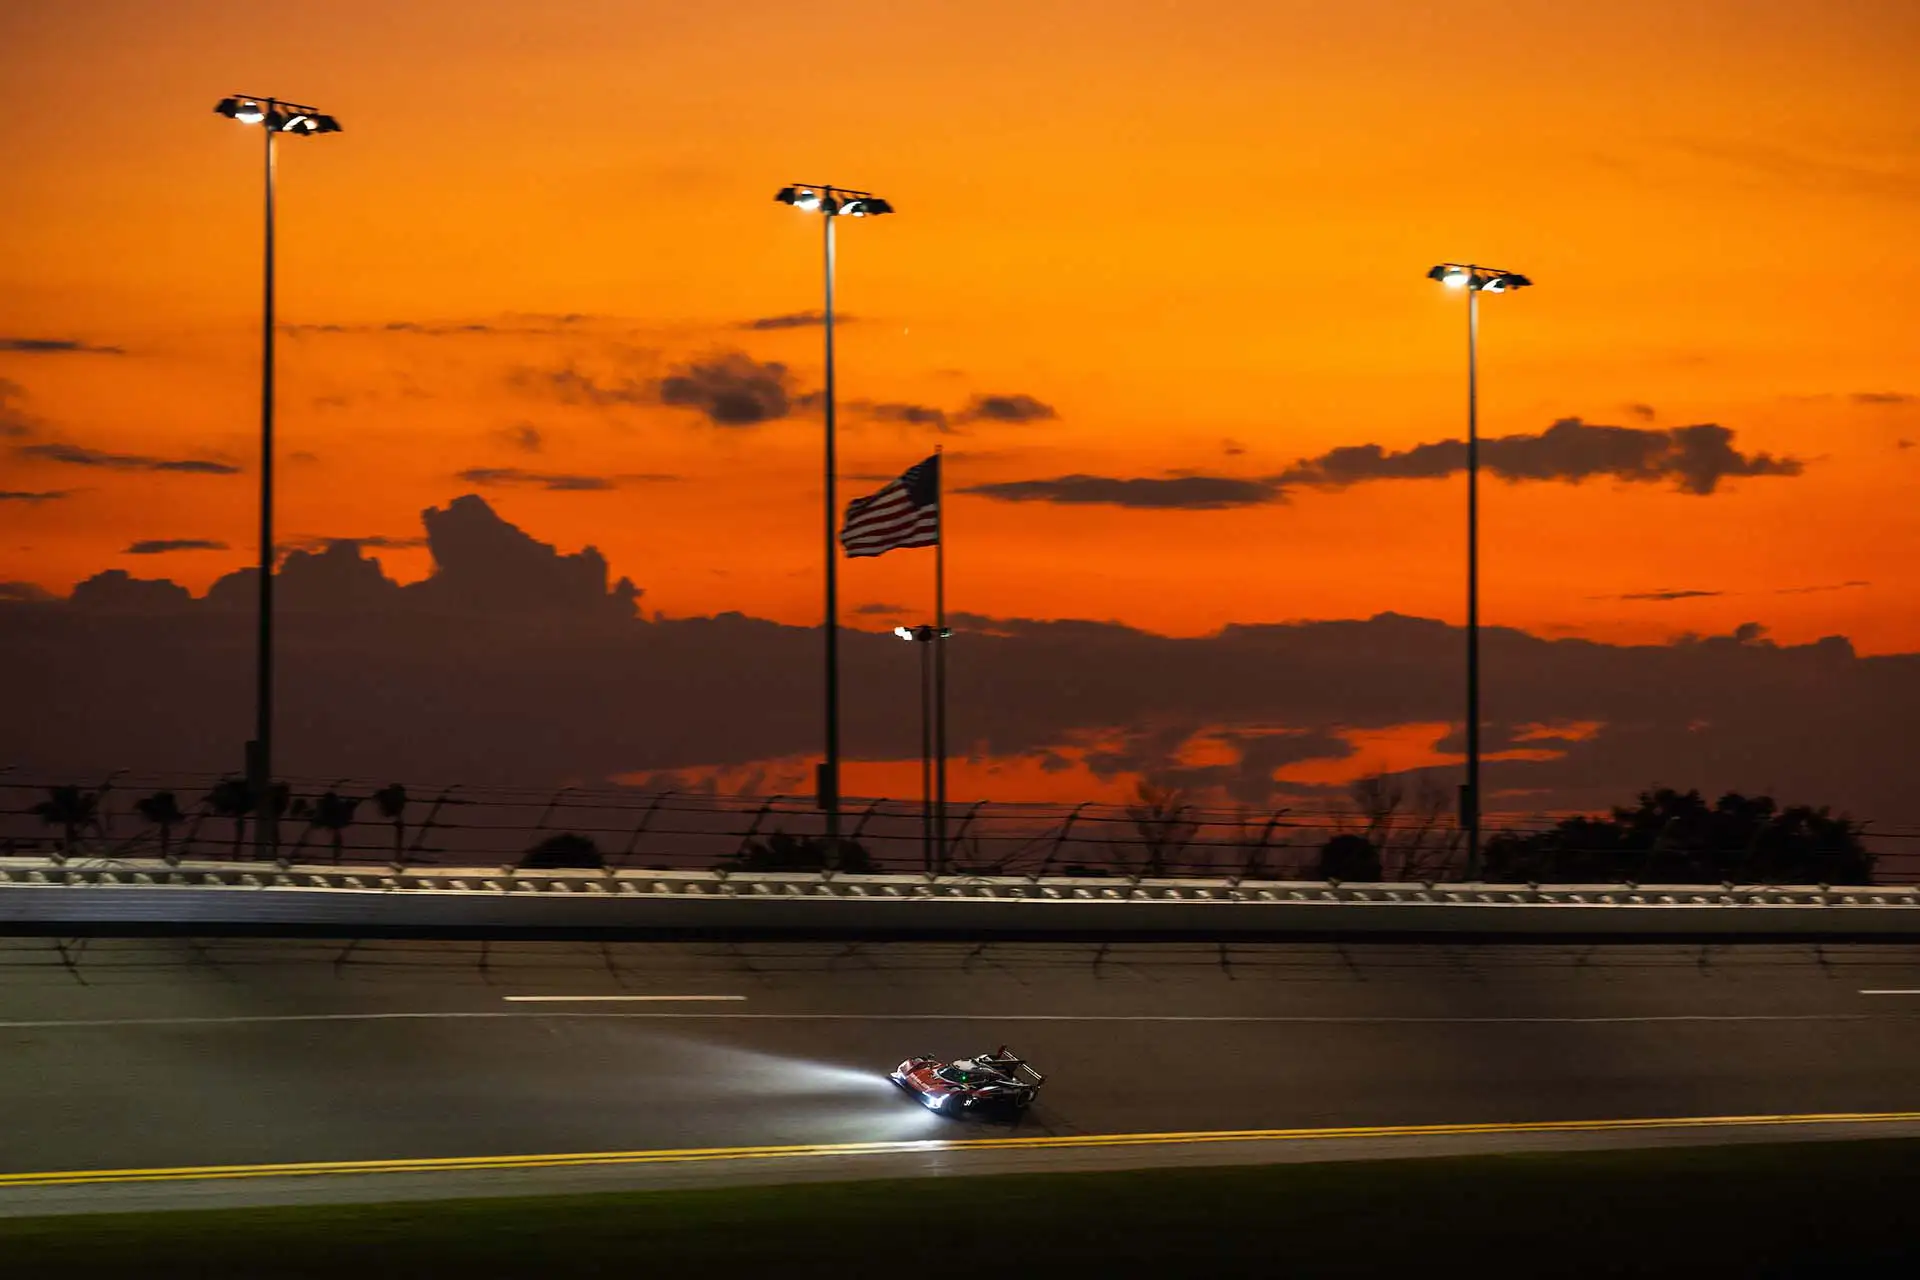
pixel 998 1081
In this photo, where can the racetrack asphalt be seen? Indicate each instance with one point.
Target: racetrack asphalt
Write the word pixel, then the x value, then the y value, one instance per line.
pixel 165 1054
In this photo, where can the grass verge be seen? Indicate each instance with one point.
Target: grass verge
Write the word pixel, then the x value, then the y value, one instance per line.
pixel 1797 1209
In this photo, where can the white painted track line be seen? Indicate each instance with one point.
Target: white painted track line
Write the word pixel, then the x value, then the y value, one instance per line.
pixel 609 999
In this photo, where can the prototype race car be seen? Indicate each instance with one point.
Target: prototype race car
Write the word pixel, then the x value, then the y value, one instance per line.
pixel 999 1081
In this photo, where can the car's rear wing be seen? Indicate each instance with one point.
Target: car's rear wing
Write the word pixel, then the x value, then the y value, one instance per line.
pixel 1026 1075
pixel 1015 1066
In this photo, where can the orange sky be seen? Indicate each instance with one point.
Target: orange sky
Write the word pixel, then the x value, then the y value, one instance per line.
pixel 1178 224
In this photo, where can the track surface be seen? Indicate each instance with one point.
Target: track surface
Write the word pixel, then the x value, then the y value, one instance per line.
pixel 165 1053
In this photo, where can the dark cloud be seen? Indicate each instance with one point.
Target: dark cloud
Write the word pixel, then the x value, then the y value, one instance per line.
pixel 15 422
pixel 1014 407
pixel 160 546
pixel 538 479
pixel 911 415
pixel 794 320
pixel 731 388
pixel 1849 585
pixel 514 664
pixel 1644 412
pixel 512 325
pixel 27 592
pixel 878 610
pixel 1903 444
pixel 80 456
pixel 1679 594
pixel 1884 397
pixel 320 542
pixel 1696 458
pixel 522 436
pixel 1181 493
pixel 570 386
pixel 1232 448
pixel 58 346
pixel 45 495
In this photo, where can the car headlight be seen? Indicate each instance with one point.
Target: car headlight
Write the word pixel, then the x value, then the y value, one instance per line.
pixel 937 1100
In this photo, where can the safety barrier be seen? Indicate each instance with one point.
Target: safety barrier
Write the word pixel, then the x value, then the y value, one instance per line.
pixel 40 895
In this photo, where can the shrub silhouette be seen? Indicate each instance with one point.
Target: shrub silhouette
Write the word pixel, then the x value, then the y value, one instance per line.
pixel 1349 857
pixel 782 852
pixel 570 851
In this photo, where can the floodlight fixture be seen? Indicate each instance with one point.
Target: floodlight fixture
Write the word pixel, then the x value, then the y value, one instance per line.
pixel 824 197
pixel 1457 275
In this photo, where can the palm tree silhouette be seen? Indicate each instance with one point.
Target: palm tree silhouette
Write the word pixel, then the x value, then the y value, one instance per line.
pixel 162 809
pixel 392 800
pixel 70 809
pixel 232 798
pixel 333 813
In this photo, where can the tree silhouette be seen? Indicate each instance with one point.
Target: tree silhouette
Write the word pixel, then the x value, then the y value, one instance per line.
pixel 1164 822
pixel 1675 837
pixel 392 802
pixel 69 808
pixel 162 809
pixel 232 798
pixel 333 813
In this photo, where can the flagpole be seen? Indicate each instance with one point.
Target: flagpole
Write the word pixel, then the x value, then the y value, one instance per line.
pixel 940 658
pixel 925 636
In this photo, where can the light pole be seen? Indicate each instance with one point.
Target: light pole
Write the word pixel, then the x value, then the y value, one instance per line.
pixel 1475 280
pixel 275 118
pixel 924 636
pixel 832 203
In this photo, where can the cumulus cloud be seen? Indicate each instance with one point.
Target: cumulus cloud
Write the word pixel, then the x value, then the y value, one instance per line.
pixel 58 346
pixel 731 388
pixel 80 456
pixel 1178 493
pixel 1695 458
pixel 1011 407
pixel 160 546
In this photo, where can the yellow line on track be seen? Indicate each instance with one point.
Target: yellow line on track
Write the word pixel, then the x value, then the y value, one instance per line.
pixel 697 1155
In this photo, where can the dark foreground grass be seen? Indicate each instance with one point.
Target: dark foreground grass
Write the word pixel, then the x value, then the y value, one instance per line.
pixel 1746 1211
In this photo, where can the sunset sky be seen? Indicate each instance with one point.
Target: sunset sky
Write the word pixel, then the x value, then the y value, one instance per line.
pixel 1136 240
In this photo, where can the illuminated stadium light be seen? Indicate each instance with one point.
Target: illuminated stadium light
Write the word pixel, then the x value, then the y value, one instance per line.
pixel 833 203
pixel 1474 280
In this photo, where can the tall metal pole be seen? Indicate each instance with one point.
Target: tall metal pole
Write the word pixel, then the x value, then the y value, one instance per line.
pixel 925 638
pixel 1472 797
pixel 260 759
pixel 829 781
pixel 940 659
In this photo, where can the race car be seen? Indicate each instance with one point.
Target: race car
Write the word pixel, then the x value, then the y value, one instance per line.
pixel 998 1081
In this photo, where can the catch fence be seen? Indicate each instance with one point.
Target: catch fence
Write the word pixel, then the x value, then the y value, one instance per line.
pixel 371 823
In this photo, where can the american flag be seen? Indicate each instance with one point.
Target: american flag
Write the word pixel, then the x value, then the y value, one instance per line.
pixel 906 513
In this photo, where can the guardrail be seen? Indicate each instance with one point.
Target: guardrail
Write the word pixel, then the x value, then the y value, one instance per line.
pixel 142 896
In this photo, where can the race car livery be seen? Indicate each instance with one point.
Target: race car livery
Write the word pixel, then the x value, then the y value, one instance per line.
pixel 1001 1081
